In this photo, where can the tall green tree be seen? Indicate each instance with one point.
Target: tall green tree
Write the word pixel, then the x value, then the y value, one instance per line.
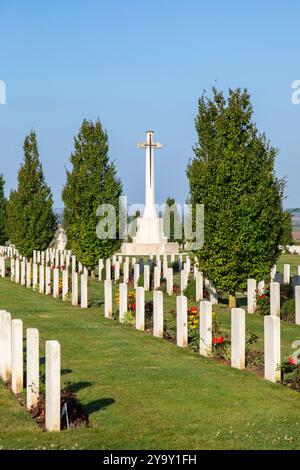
pixel 172 221
pixel 232 174
pixel 3 236
pixel 31 222
pixel 91 183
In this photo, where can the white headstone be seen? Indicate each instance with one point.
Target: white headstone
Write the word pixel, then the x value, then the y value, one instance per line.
pixel 123 306
pixel 251 295
pixel 199 286
pixel 107 298
pixel 136 275
pixel 181 321
pixel 286 273
pixel 17 356
pixel 100 268
pixel 108 269
pixel 42 279
pixel 52 418
pixel 272 348
pixel 170 281
pixel 238 328
pixel 84 291
pixel 156 281
pixel 158 314
pixel 65 283
pixel 56 283
pixel 275 299
pixel 126 272
pixel 48 279
pixel 6 353
pixel 183 280
pixel 140 308
pixel 146 277
pixel 33 367
pixel 74 288
pixel 28 274
pixel 117 270
pixel 205 329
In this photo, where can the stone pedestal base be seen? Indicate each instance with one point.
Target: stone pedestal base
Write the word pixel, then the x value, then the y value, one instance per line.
pixel 147 249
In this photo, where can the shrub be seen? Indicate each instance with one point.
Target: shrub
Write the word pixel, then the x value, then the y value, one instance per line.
pixel 190 290
pixel 129 318
pixel 291 374
pixel 288 310
pixel 286 292
pixel 175 266
pixel 263 302
pixel 170 325
pixel 141 280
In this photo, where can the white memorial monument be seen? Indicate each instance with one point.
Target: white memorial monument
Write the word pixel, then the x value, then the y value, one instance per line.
pixel 150 238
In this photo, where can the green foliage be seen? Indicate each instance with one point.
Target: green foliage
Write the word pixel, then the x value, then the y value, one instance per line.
pixel 172 222
pixel 91 182
pixel 287 227
pixel 190 290
pixel 175 266
pixel 129 318
pixel 141 280
pixel 263 302
pixel 30 222
pixel 288 310
pixel 232 174
pixel 3 236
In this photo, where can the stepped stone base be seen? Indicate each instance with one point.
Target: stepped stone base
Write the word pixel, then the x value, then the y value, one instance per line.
pixel 149 249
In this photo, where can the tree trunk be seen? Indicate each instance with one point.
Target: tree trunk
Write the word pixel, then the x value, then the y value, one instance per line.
pixel 232 301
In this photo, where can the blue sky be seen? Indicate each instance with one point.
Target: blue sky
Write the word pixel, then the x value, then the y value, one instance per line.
pixel 138 65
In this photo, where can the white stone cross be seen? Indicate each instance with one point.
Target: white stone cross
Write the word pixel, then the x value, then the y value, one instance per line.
pixel 149 145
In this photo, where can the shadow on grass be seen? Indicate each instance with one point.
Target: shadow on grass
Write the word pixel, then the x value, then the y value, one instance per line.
pixel 98 405
pixel 75 387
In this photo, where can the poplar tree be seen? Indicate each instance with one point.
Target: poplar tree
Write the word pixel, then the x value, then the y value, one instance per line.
pixel 91 183
pixel 31 222
pixel 232 174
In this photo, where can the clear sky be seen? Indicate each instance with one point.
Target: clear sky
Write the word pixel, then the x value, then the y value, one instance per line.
pixel 139 64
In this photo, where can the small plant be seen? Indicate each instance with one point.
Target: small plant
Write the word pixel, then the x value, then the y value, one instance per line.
pixel 129 317
pixel 288 310
pixel 176 289
pixel 163 285
pixel 68 297
pixel 141 280
pixel 263 302
pixel 190 290
pixel 291 374
pixel 221 347
pixel 254 357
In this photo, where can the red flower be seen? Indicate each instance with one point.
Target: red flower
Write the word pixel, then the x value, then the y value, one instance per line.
pixel 261 296
pixel 49 285
pixel 52 267
pixel 218 340
pixel 292 361
pixel 63 268
pixel 193 310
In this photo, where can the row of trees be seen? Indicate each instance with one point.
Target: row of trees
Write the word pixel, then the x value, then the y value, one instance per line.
pixel 231 173
pixel 27 218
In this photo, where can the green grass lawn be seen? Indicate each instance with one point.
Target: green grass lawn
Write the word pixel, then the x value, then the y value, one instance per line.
pixel 143 392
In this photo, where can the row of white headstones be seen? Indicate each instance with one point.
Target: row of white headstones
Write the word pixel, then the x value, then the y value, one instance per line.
pixel 45 279
pixel 12 367
pixel 272 322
